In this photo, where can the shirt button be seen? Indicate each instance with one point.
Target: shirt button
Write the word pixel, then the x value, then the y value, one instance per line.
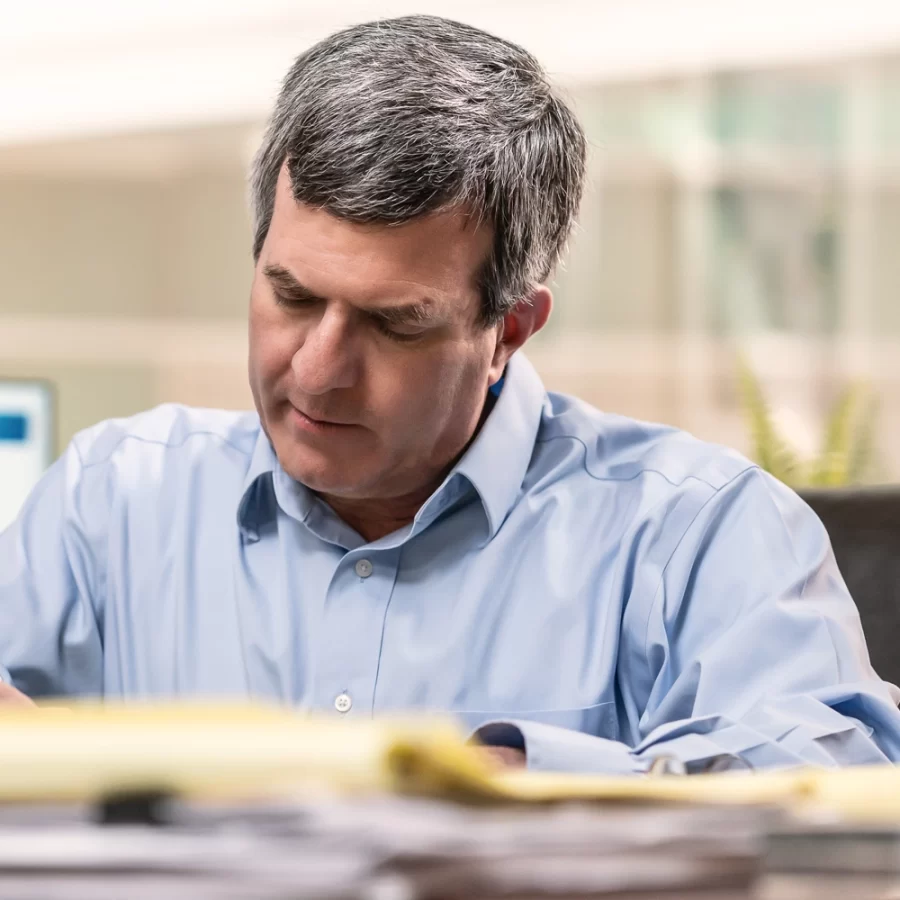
pixel 342 703
pixel 363 568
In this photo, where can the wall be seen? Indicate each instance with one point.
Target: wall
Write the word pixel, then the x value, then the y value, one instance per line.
pixel 125 292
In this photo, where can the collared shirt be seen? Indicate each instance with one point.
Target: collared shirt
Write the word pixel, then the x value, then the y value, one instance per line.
pixel 598 590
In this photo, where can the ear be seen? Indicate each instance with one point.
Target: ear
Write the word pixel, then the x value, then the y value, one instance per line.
pixel 525 319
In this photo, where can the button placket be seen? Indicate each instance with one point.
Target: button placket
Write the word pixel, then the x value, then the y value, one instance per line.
pixel 351 626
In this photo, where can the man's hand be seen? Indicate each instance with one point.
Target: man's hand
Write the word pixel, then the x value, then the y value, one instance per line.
pixel 10 697
pixel 505 757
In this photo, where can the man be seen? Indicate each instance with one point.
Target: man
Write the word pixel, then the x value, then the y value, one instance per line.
pixel 409 520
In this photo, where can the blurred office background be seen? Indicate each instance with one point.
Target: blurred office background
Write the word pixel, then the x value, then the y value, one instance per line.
pixel 744 200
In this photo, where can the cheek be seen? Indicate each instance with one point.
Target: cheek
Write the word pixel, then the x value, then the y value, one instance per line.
pixel 432 394
pixel 272 346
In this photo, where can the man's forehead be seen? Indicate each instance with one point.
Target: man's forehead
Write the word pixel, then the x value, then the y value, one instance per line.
pixel 448 228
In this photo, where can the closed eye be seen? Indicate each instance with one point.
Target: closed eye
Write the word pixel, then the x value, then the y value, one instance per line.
pixel 395 332
pixel 294 301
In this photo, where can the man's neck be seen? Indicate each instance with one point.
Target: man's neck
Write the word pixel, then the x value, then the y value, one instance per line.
pixel 374 519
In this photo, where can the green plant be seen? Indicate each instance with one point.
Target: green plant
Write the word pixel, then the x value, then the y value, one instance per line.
pixel 847 455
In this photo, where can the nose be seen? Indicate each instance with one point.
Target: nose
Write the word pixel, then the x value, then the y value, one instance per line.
pixel 326 360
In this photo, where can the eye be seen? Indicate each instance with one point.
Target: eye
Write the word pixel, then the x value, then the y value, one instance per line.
pixel 401 337
pixel 292 302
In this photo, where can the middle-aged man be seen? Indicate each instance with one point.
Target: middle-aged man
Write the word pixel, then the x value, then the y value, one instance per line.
pixel 409 520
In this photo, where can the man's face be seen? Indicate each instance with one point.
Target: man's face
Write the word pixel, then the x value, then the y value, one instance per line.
pixel 367 364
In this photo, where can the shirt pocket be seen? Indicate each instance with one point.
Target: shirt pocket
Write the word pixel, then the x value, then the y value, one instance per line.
pixel 599 720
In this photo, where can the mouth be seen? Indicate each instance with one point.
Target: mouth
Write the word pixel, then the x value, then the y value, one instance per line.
pixel 313 425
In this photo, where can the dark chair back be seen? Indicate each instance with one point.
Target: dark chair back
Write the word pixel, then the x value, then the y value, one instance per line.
pixel 864 526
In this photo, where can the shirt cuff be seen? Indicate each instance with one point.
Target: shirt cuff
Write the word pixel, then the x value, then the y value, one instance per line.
pixel 549 748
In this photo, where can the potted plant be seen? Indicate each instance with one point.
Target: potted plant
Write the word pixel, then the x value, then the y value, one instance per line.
pixel 847 454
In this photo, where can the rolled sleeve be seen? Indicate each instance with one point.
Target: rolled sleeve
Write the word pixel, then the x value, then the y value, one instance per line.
pixel 550 748
pixel 824 738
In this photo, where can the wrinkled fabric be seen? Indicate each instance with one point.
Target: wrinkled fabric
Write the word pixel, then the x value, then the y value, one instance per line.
pixel 595 590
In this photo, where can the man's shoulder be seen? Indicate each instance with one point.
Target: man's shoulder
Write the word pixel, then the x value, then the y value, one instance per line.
pixel 170 431
pixel 615 448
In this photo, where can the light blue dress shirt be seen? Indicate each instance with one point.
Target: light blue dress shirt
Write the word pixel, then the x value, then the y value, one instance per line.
pixel 595 589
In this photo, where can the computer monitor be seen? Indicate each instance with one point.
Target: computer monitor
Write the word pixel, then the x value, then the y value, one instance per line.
pixel 27 411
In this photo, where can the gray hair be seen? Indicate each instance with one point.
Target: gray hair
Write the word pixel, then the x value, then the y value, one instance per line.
pixel 396 119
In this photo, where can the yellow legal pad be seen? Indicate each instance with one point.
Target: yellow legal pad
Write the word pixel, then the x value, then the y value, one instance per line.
pixel 89 751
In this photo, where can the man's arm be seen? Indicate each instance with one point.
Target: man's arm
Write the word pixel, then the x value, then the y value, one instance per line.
pixel 752 655
pixel 50 641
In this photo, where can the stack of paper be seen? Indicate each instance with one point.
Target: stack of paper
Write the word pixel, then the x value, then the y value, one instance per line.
pixel 88 752
pixel 381 848
pixel 268 804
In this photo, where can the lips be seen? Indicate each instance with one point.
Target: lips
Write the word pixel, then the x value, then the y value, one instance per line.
pixel 321 420
pixel 318 422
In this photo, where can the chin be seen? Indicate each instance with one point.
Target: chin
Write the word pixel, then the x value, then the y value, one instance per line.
pixel 319 475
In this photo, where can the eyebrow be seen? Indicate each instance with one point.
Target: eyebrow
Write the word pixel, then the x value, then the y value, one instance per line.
pixel 416 313
pixel 288 285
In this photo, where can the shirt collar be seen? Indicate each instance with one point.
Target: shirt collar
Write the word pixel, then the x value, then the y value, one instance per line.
pixel 498 458
pixel 495 463
pixel 267 484
pixel 251 509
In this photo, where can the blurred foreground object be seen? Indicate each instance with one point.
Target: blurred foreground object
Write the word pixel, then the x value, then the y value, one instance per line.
pixel 86 752
pixel 384 848
pixel 252 802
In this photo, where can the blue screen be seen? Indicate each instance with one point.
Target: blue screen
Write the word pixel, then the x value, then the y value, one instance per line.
pixel 13 427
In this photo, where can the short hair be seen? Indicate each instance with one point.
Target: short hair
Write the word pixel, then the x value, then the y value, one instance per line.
pixel 396 119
